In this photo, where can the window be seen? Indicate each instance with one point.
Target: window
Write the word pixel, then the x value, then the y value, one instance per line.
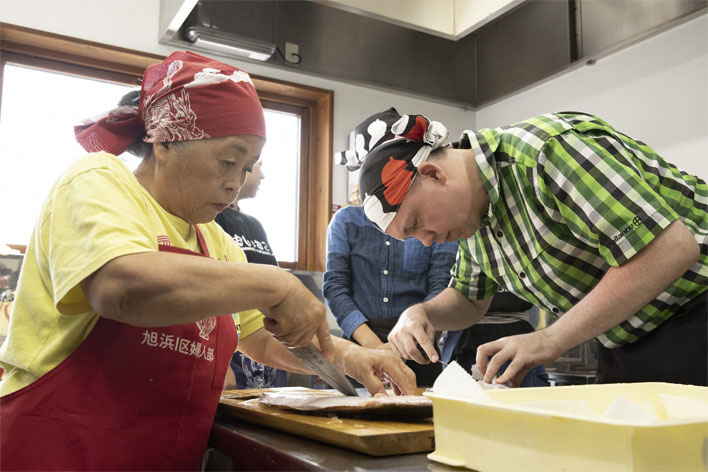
pixel 37 141
pixel 274 206
pixel 294 201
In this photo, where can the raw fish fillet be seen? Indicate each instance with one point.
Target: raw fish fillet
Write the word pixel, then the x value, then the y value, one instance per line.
pixel 328 403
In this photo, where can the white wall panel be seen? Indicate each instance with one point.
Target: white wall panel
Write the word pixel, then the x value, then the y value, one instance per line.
pixel 655 91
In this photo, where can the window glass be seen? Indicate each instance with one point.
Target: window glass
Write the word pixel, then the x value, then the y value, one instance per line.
pixel 39 110
pixel 276 205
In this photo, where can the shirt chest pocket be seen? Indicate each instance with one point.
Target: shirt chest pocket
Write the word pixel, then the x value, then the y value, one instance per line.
pixel 525 263
pixel 416 257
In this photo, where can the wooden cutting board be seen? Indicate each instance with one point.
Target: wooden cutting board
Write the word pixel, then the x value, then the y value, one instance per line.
pixel 376 438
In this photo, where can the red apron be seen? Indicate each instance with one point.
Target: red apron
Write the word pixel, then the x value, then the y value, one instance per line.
pixel 127 398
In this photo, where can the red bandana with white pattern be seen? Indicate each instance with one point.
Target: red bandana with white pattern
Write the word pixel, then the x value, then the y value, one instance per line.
pixel 183 98
pixel 389 169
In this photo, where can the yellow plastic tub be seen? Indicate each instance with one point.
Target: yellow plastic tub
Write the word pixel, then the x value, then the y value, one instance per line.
pixel 504 434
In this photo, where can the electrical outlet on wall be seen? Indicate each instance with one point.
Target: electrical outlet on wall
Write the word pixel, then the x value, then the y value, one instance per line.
pixel 291 52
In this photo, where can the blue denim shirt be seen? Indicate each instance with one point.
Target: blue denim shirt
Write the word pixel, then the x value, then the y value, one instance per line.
pixel 371 275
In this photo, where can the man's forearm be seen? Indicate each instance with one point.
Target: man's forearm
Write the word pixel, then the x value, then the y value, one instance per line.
pixel 626 289
pixel 450 310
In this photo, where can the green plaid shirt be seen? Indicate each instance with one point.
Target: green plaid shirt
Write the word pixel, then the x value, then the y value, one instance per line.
pixel 570 198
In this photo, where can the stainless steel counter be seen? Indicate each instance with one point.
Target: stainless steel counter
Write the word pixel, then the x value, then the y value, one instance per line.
pixel 245 446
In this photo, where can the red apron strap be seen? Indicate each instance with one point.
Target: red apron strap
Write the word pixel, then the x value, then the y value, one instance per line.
pixel 202 243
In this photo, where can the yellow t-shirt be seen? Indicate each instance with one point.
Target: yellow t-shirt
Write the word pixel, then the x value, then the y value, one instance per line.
pixel 96 211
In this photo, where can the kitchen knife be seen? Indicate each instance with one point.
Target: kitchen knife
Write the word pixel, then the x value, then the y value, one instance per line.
pixel 330 373
pixel 425 356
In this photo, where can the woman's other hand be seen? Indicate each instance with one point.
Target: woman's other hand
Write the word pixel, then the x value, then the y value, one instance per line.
pixel 371 367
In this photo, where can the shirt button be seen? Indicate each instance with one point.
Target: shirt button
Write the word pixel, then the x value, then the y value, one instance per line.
pixel 499 234
pixel 522 275
pixel 385 271
pixel 388 243
pixel 555 310
pixel 385 300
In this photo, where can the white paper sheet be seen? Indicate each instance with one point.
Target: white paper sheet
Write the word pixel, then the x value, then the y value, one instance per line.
pixel 454 380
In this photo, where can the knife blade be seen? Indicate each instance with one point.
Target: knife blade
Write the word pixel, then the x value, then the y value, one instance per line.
pixel 330 373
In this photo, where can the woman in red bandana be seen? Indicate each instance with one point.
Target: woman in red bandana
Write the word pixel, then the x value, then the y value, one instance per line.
pixel 123 325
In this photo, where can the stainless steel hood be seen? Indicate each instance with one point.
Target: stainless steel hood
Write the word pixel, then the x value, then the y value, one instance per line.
pixel 533 41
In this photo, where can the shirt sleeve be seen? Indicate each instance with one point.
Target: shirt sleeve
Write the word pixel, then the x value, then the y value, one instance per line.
pixel 442 261
pixel 468 278
pixel 95 217
pixel 590 183
pixel 337 284
pixel 249 322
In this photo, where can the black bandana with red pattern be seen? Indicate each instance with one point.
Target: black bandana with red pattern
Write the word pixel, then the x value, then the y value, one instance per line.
pixel 389 168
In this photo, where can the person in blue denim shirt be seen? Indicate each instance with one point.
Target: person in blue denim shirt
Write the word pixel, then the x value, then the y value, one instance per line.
pixel 371 278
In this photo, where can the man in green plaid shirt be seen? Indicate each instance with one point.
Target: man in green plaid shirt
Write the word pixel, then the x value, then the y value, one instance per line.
pixel 568 213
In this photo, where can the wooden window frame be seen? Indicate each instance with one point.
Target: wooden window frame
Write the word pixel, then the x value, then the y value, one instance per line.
pixel 75 56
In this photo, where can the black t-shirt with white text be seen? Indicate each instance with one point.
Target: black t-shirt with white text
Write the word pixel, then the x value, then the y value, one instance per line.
pixel 249 234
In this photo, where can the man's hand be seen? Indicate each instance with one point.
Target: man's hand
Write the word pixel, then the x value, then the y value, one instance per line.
pixel 448 310
pixel 299 317
pixel 371 367
pixel 413 329
pixel 525 351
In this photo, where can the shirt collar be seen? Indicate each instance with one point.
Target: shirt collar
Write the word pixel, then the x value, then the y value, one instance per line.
pixel 483 144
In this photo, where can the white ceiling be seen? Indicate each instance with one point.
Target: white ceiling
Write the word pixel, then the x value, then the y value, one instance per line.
pixel 451 19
